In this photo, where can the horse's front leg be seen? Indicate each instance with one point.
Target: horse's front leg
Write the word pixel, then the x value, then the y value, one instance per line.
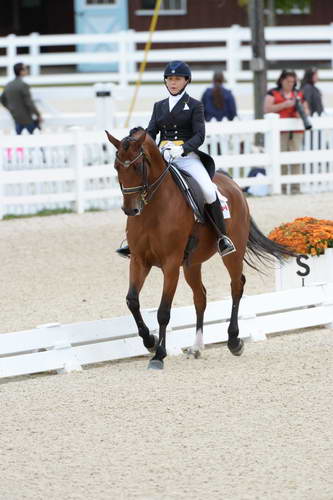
pixel 138 274
pixel 171 276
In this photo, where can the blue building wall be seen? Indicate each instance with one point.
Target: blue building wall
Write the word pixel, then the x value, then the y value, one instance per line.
pixel 91 18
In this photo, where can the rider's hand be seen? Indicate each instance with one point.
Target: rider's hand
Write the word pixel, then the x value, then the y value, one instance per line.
pixel 166 154
pixel 176 151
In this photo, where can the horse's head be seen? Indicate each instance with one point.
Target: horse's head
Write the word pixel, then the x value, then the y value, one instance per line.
pixel 131 165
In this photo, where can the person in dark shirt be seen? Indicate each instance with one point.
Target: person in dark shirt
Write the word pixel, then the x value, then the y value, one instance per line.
pixel 218 101
pixel 179 120
pixel 311 93
pixel 16 97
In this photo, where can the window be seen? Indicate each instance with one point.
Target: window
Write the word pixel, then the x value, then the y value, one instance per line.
pixel 31 3
pixel 294 10
pixel 168 7
pixel 148 4
pixel 101 2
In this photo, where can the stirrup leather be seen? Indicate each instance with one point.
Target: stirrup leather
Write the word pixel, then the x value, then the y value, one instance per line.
pixel 225 246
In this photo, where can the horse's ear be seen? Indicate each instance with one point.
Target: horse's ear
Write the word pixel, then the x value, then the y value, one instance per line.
pixel 113 140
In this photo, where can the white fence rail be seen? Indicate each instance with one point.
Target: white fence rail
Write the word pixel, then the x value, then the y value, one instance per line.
pixel 74 169
pixel 65 348
pixel 231 49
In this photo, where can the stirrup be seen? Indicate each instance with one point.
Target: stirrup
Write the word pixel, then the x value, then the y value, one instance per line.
pixel 124 251
pixel 225 246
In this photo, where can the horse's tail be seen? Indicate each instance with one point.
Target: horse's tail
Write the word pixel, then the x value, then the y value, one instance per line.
pixel 260 249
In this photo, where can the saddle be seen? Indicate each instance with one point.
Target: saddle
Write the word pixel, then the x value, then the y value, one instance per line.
pixel 191 191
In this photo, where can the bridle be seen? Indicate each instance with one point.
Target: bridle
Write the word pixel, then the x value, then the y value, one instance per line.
pixel 146 190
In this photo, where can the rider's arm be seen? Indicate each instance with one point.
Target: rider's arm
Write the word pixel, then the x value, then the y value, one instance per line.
pixel 152 128
pixel 198 126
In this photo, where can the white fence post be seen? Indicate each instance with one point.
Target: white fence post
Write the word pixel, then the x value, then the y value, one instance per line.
pixel 331 26
pixel 77 164
pixel 122 61
pixel 11 54
pixel 34 51
pixel 272 147
pixel 131 48
pixel 2 192
pixel 105 106
pixel 233 62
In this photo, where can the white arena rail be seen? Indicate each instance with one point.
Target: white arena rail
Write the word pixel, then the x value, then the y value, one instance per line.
pixel 65 348
pixel 74 169
pixel 231 49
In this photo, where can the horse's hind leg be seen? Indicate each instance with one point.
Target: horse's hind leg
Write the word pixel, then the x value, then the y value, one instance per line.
pixel 235 269
pixel 138 274
pixel 193 277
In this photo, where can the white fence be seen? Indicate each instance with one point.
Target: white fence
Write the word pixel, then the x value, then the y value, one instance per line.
pixel 67 347
pixel 74 169
pixel 231 49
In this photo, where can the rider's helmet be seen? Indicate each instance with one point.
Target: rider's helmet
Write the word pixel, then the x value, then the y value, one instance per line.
pixel 178 68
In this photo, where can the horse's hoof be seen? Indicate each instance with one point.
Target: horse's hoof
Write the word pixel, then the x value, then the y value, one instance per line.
pixel 238 349
pixel 155 364
pixel 197 354
pixel 192 351
pixel 153 348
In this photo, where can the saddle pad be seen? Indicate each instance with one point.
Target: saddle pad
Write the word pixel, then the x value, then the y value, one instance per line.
pixel 224 204
pixel 193 194
pixel 191 191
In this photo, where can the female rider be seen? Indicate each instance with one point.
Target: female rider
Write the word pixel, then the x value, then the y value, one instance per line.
pixel 179 120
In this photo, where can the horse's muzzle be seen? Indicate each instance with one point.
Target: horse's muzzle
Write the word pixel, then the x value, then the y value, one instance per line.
pixel 132 212
pixel 132 207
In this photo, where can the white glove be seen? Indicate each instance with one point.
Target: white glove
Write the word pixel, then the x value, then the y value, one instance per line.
pixel 170 150
pixel 176 151
pixel 166 154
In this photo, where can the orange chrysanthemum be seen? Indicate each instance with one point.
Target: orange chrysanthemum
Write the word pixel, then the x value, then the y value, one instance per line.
pixel 305 235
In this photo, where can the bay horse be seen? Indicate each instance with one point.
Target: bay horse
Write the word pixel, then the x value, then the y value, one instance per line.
pixel 159 226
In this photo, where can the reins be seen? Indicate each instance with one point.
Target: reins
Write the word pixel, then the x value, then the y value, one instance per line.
pixel 147 190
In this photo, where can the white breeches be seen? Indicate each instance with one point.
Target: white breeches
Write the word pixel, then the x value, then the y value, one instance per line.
pixel 192 164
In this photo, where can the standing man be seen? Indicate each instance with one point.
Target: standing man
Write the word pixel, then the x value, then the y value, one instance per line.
pixel 17 99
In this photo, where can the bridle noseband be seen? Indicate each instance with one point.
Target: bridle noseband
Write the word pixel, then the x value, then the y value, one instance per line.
pixel 145 189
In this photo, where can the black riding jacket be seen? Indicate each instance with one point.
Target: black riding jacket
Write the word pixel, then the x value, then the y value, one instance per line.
pixel 185 122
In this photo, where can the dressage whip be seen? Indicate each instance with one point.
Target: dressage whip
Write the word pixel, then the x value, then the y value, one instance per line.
pixel 144 61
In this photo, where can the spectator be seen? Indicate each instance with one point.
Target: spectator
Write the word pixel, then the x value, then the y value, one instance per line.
pixel 218 102
pixel 17 99
pixel 282 100
pixel 311 93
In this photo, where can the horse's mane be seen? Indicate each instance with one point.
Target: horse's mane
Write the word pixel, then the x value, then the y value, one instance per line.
pixel 129 138
pixel 148 140
pixel 135 129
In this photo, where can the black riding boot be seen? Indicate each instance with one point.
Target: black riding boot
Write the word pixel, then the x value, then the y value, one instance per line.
pixel 124 251
pixel 224 244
